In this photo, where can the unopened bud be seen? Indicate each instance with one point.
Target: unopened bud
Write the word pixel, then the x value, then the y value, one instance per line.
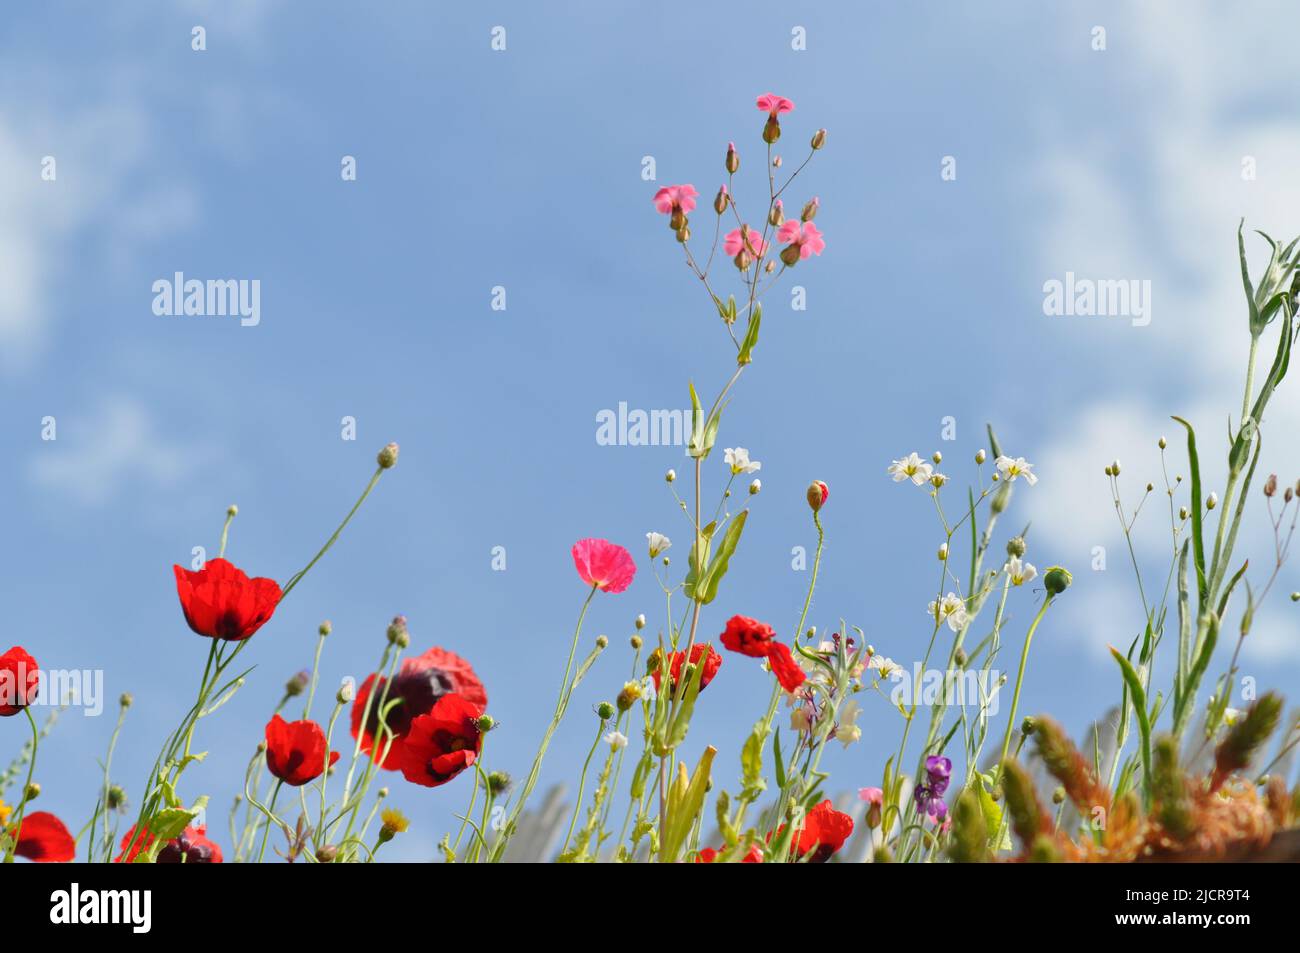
pixel 819 139
pixel 1212 501
pixel 980 456
pixel 670 476
pixel 397 634
pixel 810 209
pixel 498 783
pixel 733 158
pixel 818 494
pixel 943 553
pixel 32 791
pixel 325 628
pixel 297 684
pixel 232 510
pixel 720 200
pixel 1057 580
pixel 1182 512
pixel 387 458
pixel 790 255
pixel 776 214
pixel 605 711
pixel 1016 546
pixel 1163 443
pixel 771 130
pixel 484 723
pixel 755 487
pixel 1270 485
pixel 602 641
pixel 636 642
pixel 116 797
pixel 347 691
pixel 639 622
pixel 1114 468
pixel 326 853
pixel 1058 795
pixel 1028 726
pixel 126 700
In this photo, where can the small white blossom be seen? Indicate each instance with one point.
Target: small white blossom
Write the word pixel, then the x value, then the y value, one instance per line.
pixel 911 467
pixel 1010 469
pixel 937 480
pixel 738 460
pixel 951 610
pixel 658 543
pixel 1019 571
pixel 616 740
pixel 846 728
pixel 1231 716
pixel 887 667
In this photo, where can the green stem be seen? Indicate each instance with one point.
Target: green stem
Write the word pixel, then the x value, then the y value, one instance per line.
pixel 27 785
pixel 1020 677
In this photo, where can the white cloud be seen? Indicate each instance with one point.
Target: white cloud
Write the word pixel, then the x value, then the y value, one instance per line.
pixel 1180 233
pixel 94 458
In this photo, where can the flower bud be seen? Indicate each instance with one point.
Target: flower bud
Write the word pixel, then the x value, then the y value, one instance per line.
pixel 126 700
pixel 720 200
pixel 776 214
pixel 755 487
pixel 116 797
pixel 327 853
pixel 1114 468
pixel 1295 597
pixel 943 553
pixel 790 255
pixel 636 642
pixel 347 691
pixel 683 234
pixel 297 684
pixel 387 458
pixel 232 510
pixel 771 130
pixel 1162 442
pixel 776 162
pixel 325 628
pixel 810 209
pixel 1182 512
pixel 670 476
pixel 1057 580
pixel 629 696
pixel 1016 546
pixel 980 456
pixel 1212 501
pixel 818 140
pixel 677 220
pixel 818 494
pixel 639 622
pixel 32 791
pixel 1270 485
pixel 397 634
pixel 1058 795
pixel 733 158
pixel 602 641
pixel 604 711
pixel 498 783
pixel 743 260
pixel 1028 726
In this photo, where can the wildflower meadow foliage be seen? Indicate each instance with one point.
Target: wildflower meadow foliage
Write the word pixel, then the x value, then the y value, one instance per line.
pixel 972 777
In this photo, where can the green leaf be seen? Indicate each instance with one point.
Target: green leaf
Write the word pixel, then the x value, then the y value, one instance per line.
pixel 697 423
pixel 1139 698
pixel 751 336
pixel 1198 533
pixel 992 812
pixel 751 757
pixel 708 586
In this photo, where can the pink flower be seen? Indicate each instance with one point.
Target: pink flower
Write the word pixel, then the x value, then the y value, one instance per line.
pixel 871 795
pixel 802 235
pixel 605 565
pixel 732 244
pixel 676 198
pixel 774 105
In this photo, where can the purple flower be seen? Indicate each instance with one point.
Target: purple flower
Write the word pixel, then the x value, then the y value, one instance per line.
pixel 938 770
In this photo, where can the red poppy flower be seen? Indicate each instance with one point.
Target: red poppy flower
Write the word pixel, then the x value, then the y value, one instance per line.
pixel 752 856
pixel 443 743
pixel 712 662
pixel 419 683
pixel 19 681
pixel 221 602
pixel 296 750
pixel 44 839
pixel 824 832
pixel 748 636
pixel 785 668
pixel 192 847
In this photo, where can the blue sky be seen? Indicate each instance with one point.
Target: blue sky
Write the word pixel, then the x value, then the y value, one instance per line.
pixel 522 169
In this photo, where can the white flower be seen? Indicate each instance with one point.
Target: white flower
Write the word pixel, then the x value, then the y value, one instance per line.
pixel 887 667
pixel 911 467
pixel 658 543
pixel 1231 716
pixel 1019 571
pixel 951 610
pixel 799 720
pixel 846 729
pixel 1010 469
pixel 738 460
pixel 937 480
pixel 616 740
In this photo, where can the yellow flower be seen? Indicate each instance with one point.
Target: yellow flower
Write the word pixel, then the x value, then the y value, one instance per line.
pixel 5 811
pixel 395 821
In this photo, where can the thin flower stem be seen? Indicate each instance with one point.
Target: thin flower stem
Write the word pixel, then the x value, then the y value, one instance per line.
pixel 27 786
pixel 582 783
pixel 1020 678
pixel 297 577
